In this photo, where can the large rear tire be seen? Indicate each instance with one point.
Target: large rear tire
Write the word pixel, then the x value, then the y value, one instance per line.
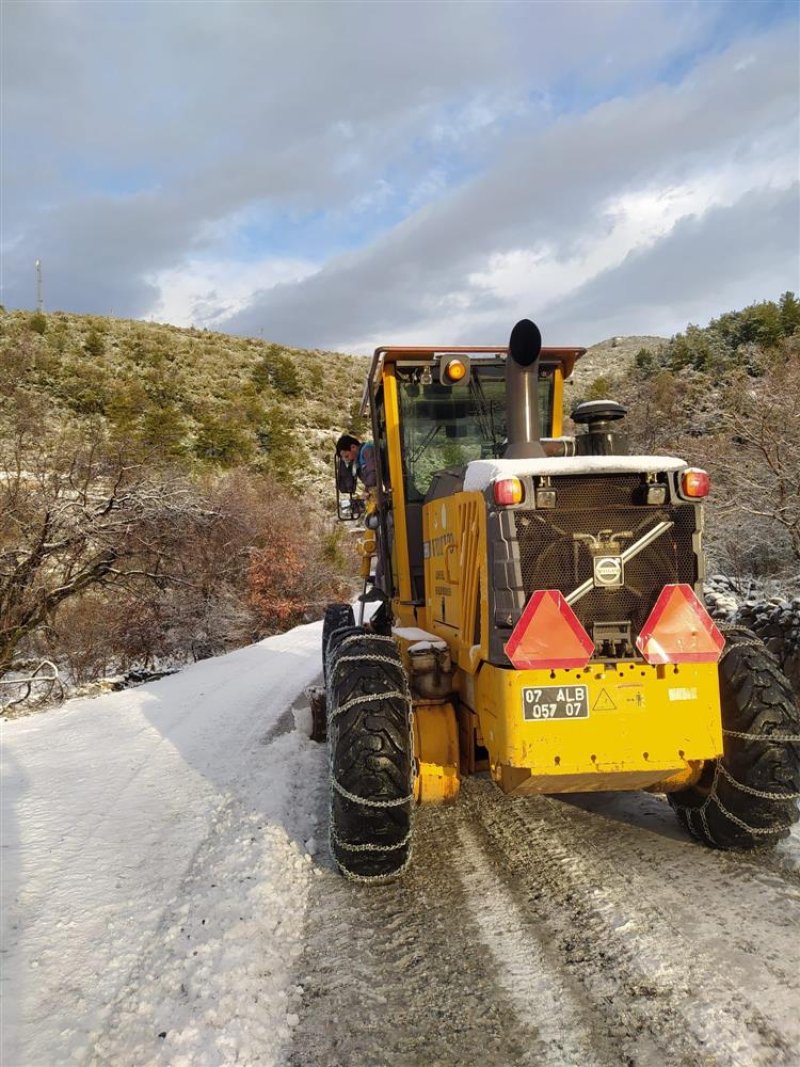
pixel 371 768
pixel 747 799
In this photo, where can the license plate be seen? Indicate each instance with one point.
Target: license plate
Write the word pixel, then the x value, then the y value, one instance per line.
pixel 540 703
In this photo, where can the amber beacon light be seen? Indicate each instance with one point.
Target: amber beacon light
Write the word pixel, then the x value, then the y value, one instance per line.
pixel 454 371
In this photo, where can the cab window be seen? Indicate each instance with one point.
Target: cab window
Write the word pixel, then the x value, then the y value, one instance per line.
pixel 448 426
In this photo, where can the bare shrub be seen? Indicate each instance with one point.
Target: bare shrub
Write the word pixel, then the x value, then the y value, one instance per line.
pixel 81 638
pixel 77 515
pixel 756 455
pixel 275 549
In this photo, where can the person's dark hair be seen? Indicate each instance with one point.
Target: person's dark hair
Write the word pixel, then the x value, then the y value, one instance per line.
pixel 346 441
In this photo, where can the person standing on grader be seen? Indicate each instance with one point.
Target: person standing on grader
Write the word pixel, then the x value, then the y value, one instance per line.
pixel 360 457
pixel 356 460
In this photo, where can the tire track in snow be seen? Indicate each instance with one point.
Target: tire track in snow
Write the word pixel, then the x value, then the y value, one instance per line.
pixel 737 918
pixel 584 966
pixel 618 943
pixel 739 911
pixel 540 991
pixel 396 975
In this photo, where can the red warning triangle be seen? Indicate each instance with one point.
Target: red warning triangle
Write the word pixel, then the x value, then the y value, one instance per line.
pixel 548 635
pixel 680 630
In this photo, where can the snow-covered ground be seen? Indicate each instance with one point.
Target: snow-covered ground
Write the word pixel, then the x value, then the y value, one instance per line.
pixel 168 898
pixel 156 866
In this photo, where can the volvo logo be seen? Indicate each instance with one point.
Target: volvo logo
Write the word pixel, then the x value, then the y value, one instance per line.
pixel 608 571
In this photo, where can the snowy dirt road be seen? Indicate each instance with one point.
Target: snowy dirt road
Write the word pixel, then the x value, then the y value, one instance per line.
pixel 168 898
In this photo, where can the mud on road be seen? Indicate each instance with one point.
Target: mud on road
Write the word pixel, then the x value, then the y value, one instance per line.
pixel 560 933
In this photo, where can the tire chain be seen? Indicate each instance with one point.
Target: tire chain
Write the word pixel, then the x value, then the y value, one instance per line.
pixel 688 813
pixel 403 693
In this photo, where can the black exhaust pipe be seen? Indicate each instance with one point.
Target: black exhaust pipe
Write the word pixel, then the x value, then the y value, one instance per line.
pixel 522 392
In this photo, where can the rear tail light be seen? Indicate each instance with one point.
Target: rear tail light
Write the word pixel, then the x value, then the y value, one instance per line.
pixel 508 491
pixel 695 483
pixel 680 630
pixel 548 635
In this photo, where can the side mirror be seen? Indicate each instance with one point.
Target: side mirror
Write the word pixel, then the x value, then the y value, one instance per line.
pixel 348 506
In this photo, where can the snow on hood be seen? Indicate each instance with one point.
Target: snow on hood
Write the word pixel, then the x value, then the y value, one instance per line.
pixel 482 472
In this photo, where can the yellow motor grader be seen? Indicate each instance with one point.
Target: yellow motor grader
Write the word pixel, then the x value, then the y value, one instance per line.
pixel 538 615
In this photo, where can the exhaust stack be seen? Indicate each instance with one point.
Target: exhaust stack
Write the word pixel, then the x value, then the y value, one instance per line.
pixel 522 392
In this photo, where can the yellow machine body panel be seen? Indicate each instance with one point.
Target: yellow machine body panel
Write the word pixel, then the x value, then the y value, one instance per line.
pixel 635 726
pixel 438 776
pixel 400 560
pixel 455 551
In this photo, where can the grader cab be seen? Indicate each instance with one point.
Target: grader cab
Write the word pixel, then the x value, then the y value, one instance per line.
pixel 539 617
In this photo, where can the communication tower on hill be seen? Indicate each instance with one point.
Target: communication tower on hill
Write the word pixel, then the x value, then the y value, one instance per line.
pixel 39 287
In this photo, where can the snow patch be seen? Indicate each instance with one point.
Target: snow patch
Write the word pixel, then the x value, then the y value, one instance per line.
pixel 482 472
pixel 155 870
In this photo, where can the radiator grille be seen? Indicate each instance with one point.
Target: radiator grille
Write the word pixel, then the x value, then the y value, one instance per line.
pixel 551 557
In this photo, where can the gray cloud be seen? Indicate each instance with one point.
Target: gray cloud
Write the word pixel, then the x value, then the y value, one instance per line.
pixel 550 187
pixel 136 134
pixel 700 261
pixel 180 76
pixel 165 118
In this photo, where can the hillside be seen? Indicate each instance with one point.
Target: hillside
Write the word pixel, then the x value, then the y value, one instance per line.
pixel 612 359
pixel 166 494
pixel 200 400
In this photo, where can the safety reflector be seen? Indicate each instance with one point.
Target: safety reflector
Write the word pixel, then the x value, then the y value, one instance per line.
pixel 548 635
pixel 680 630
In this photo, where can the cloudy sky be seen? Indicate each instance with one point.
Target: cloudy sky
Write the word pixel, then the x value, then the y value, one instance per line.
pixel 343 174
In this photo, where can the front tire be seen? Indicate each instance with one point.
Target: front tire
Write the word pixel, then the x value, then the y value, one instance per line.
pixel 337 616
pixel 747 799
pixel 371 775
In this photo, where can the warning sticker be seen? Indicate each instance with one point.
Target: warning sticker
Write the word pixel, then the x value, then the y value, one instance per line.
pixel 683 694
pixel 604 702
pixel 631 696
